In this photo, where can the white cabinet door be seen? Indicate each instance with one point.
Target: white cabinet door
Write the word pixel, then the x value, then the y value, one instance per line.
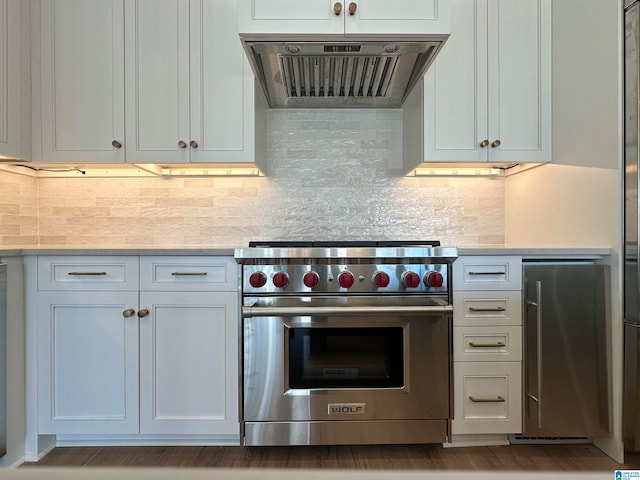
pixel 291 16
pixel 13 129
pixel 344 16
pixel 87 362
pixel 190 92
pixel 189 363
pixel 455 89
pixel 222 86
pixel 401 16
pixel 488 397
pixel 157 56
pixel 82 80
pixel 487 97
pixel 519 80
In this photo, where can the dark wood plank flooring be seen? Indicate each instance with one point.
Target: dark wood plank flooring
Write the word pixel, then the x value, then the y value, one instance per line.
pixel 583 457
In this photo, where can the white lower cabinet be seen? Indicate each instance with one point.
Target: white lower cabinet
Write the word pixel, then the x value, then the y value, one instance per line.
pixel 119 353
pixel 187 363
pixel 488 398
pixel 87 362
pixel 487 345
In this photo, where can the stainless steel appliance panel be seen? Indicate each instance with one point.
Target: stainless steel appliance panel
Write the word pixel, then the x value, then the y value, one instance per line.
pixel 269 397
pixel 566 380
pixel 632 91
pixel 345 433
pixel 346 343
pixel 631 432
pixel 3 359
pixel 631 408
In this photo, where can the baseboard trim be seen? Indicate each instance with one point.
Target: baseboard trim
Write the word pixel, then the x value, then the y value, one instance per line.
pixel 106 441
pixel 479 440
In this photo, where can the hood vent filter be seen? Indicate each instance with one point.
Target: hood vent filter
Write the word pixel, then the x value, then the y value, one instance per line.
pixel 310 74
pixel 333 76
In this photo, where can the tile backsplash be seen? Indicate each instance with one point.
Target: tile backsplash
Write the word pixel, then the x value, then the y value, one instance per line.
pixel 333 174
pixel 18 210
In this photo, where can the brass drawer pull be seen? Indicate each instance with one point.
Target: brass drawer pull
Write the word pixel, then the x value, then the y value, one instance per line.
pixel 188 274
pixel 143 313
pixel 487 273
pixel 129 313
pixel 493 309
pixel 95 274
pixel 487 345
pixel 337 8
pixel 498 399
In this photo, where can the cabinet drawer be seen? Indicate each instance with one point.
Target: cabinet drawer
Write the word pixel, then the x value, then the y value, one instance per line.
pixel 202 273
pixel 487 273
pixel 487 397
pixel 487 308
pixel 487 344
pixel 87 273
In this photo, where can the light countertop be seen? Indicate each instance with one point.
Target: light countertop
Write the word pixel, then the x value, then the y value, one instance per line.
pixel 526 252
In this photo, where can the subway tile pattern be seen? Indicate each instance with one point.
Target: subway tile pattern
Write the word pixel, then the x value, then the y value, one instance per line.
pixel 333 175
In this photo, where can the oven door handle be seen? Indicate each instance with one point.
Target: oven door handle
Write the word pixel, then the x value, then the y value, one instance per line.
pixel 426 310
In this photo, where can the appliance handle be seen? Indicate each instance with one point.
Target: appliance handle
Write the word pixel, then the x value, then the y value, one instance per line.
pixel 539 347
pixel 430 310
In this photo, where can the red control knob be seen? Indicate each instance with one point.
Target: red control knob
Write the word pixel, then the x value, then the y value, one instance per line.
pixel 258 279
pixel 380 279
pixel 410 279
pixel 433 279
pixel 280 280
pixel 346 279
pixel 311 279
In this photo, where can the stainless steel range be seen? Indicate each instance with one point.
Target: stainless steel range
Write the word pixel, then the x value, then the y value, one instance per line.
pixel 346 343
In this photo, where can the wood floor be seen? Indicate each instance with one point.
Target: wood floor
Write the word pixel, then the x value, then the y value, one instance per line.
pixel 582 457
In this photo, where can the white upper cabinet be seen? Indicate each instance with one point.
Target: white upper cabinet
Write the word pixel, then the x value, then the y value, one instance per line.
pixel 173 69
pixel 341 17
pixel 190 96
pixel 157 56
pixel 14 84
pixel 487 97
pixel 224 109
pixel 82 81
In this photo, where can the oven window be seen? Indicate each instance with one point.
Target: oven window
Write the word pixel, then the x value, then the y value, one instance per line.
pixel 346 357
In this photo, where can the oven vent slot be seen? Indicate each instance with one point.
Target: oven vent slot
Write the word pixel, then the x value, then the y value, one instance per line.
pixel 337 76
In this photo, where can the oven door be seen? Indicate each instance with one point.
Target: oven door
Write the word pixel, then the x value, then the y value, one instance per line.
pixel 306 359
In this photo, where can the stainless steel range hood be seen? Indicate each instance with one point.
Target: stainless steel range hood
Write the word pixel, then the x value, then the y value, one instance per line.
pixel 374 72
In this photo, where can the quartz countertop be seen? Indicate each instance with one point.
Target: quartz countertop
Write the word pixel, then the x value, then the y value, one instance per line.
pixel 526 252
pixel 218 251
pixel 538 253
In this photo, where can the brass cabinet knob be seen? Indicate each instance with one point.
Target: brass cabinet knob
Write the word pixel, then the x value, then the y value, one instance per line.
pixel 143 313
pixel 495 144
pixel 353 6
pixel 193 144
pixel 484 143
pixel 116 144
pixel 128 313
pixel 337 8
pixel 182 144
